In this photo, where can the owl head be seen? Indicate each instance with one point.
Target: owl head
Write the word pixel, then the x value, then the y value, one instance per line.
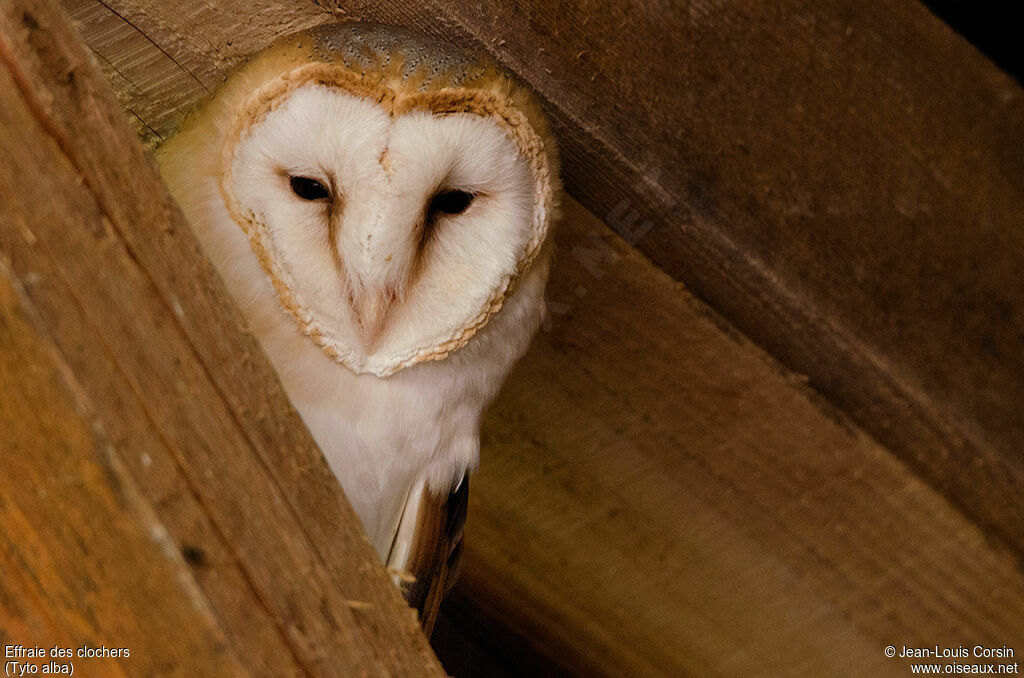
pixel 392 188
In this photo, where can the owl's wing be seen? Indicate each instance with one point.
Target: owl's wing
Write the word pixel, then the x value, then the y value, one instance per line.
pixel 427 550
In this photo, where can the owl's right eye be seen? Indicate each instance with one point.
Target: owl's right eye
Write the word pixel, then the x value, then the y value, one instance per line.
pixel 309 189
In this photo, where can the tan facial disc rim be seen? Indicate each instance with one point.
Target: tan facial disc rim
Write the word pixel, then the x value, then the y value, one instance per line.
pixel 446 101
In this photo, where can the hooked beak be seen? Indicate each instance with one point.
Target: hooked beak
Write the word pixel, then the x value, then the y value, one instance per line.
pixel 370 309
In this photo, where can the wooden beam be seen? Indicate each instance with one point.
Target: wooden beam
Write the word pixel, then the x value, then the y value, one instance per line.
pixel 659 497
pixel 159 491
pixel 840 180
pixel 83 557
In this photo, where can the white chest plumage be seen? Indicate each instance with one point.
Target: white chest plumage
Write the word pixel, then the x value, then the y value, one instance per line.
pixel 381 436
pixel 379 206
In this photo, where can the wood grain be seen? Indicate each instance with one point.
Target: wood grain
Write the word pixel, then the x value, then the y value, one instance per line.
pixel 280 579
pixel 72 521
pixel 702 512
pixel 840 180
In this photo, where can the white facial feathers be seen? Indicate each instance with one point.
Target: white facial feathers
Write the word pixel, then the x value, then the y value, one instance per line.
pixel 401 228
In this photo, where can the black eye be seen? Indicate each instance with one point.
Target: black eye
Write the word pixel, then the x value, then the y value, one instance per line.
pixel 450 202
pixel 309 189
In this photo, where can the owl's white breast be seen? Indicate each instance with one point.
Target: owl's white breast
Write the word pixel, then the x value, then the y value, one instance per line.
pixel 381 434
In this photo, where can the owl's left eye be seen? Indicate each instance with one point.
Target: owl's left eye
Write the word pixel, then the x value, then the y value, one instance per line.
pixel 309 189
pixel 450 202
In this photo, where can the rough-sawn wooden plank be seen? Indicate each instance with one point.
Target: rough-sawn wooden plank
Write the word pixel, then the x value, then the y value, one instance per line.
pixel 701 511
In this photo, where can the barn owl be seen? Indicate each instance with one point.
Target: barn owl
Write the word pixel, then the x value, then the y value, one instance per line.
pixel 379 205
